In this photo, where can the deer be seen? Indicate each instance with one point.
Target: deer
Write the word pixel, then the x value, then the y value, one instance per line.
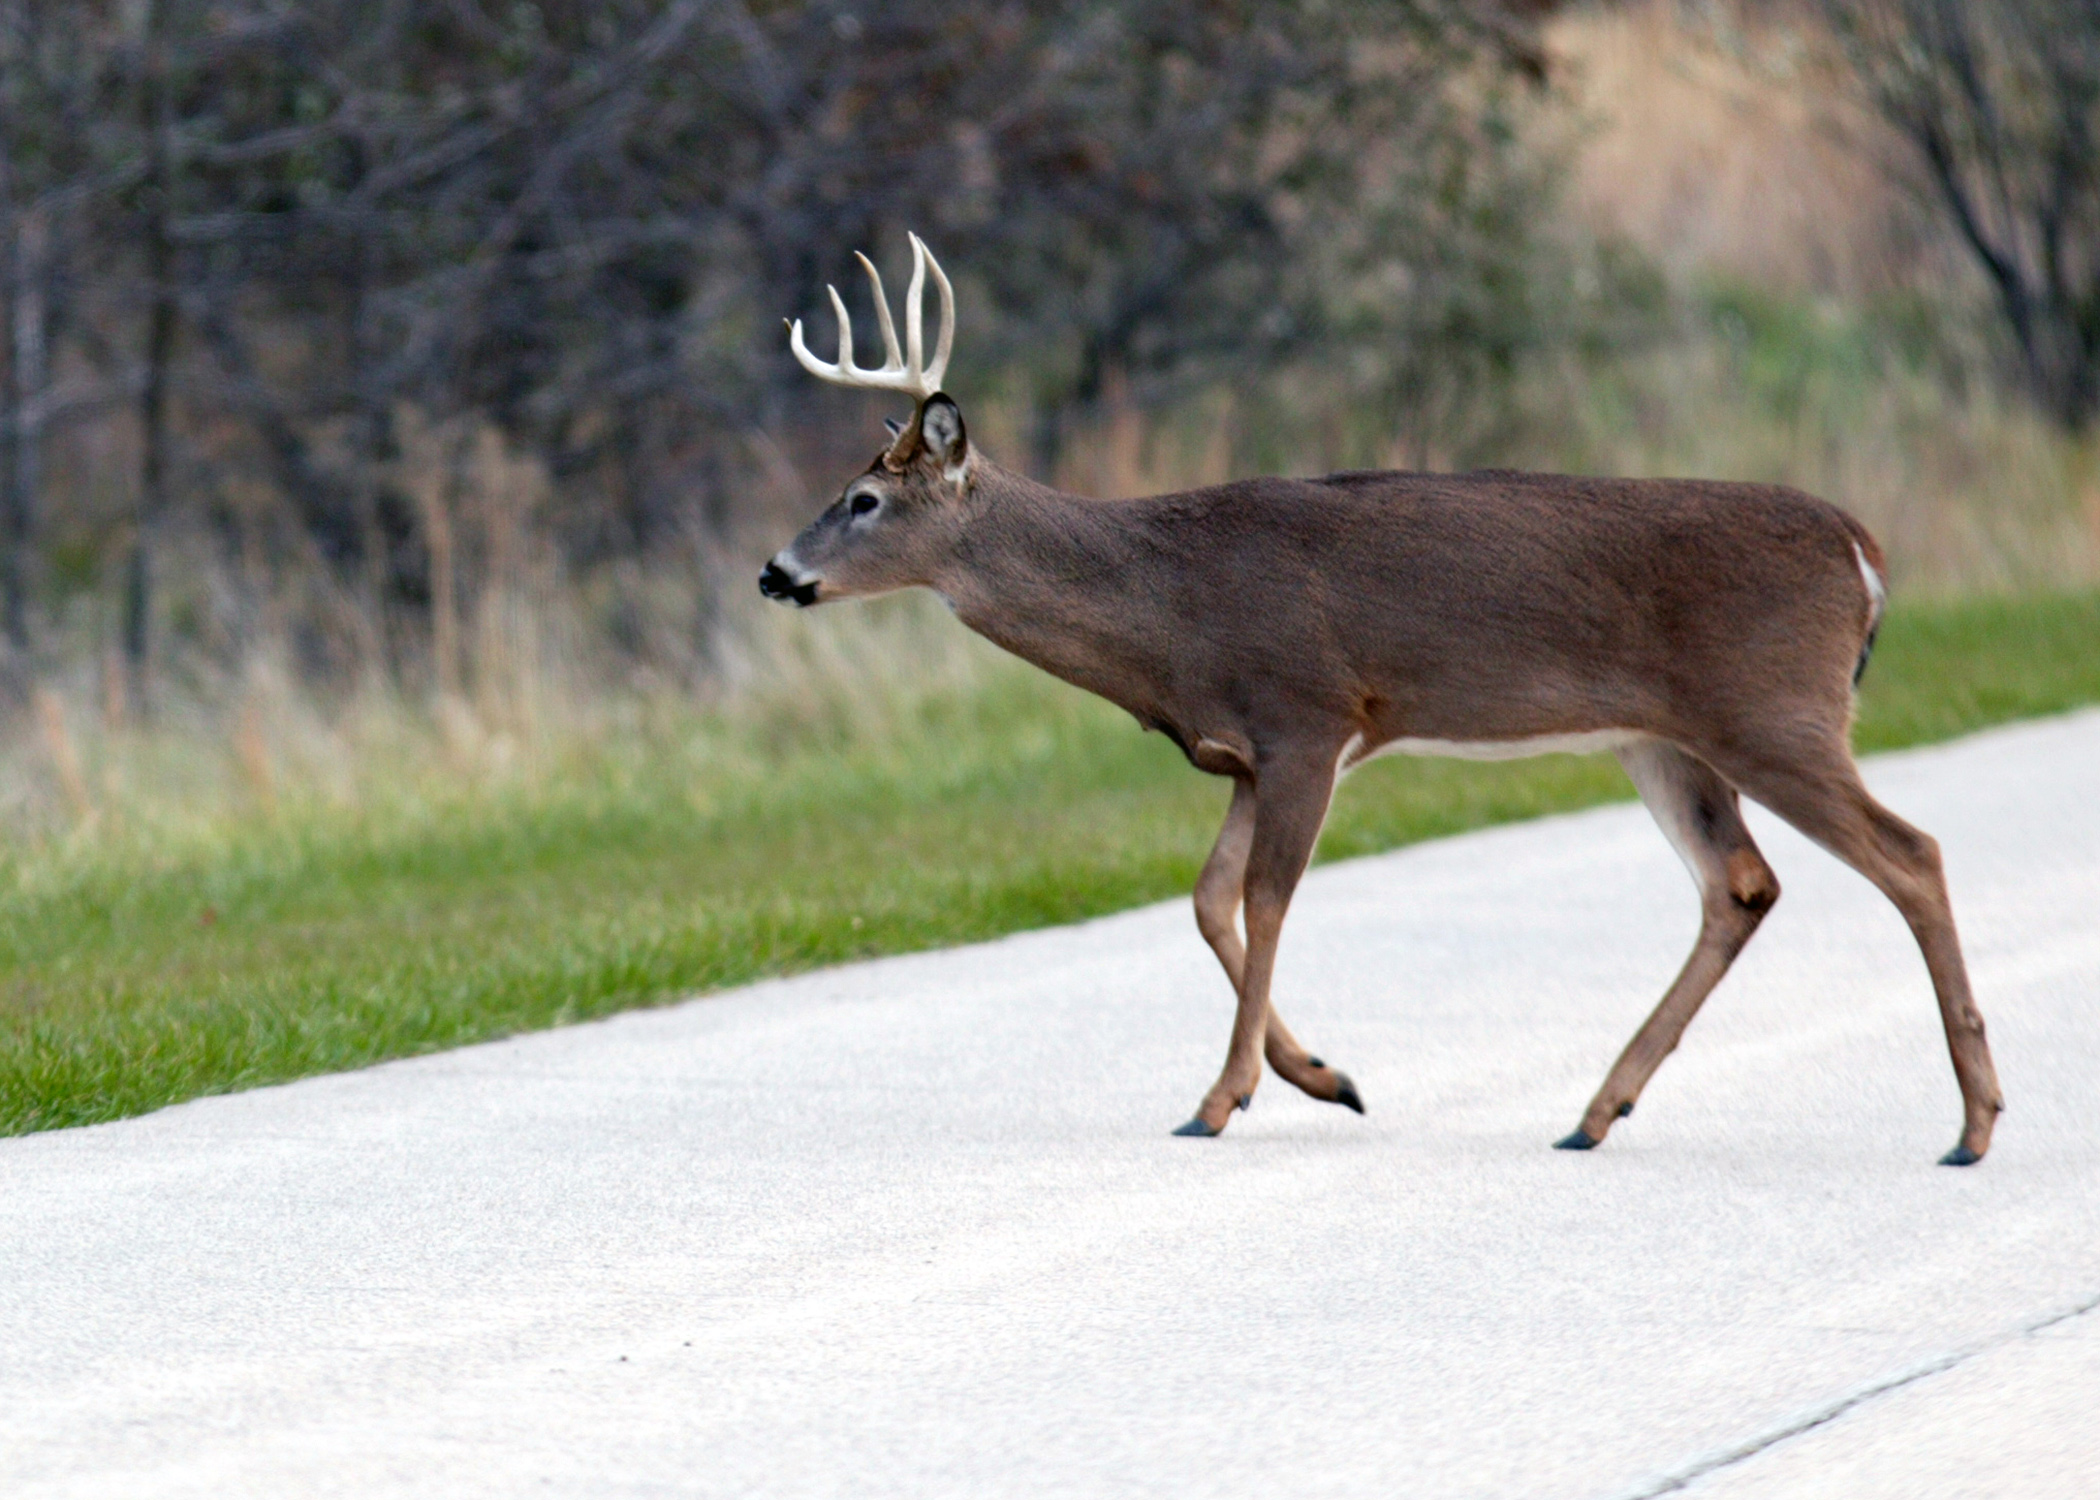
pixel 1282 632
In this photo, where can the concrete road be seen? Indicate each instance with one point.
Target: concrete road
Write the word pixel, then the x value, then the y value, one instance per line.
pixel 917 1228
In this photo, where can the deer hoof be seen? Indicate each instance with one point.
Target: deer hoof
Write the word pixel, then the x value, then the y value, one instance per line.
pixel 1581 1140
pixel 1961 1156
pixel 1195 1127
pixel 1345 1092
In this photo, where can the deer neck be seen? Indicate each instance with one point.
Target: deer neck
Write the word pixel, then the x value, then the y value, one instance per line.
pixel 1054 578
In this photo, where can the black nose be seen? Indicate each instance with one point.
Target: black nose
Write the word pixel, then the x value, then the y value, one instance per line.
pixel 777 583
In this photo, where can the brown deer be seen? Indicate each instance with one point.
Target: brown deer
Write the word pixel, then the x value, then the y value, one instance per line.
pixel 1282 631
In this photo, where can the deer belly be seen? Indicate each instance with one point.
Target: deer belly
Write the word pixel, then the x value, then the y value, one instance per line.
pixel 1585 743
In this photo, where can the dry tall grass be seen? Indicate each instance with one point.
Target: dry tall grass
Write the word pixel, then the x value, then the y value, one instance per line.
pixel 1725 139
pixel 1966 492
pixel 531 682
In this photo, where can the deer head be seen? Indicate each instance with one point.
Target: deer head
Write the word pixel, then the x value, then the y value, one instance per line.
pixel 889 528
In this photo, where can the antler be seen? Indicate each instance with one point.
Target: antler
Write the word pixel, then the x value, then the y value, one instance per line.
pixel 897 373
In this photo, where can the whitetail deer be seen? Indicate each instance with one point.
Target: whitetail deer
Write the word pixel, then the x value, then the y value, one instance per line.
pixel 1281 631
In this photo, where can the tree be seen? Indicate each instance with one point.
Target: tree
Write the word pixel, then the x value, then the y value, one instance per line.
pixel 578 222
pixel 1999 101
pixel 49 82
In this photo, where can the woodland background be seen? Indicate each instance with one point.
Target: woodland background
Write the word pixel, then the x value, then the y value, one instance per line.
pixel 393 388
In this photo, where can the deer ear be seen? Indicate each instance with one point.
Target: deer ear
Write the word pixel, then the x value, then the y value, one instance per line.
pixel 934 437
pixel 941 437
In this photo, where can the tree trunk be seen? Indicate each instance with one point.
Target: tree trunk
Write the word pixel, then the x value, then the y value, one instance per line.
pixel 24 240
pixel 13 528
pixel 160 348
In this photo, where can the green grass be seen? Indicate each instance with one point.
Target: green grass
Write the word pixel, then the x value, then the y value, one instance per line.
pixel 308 944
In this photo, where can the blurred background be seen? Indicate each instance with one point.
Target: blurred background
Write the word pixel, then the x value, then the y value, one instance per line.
pixel 395 410
pixel 398 388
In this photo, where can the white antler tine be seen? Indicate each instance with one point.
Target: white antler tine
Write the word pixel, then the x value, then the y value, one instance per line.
pixel 946 342
pixel 803 357
pixel 894 357
pixel 845 360
pixel 915 322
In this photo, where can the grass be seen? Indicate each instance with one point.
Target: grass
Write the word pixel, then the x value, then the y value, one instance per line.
pixel 309 942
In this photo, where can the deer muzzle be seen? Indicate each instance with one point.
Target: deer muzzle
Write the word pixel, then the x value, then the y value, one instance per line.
pixel 786 586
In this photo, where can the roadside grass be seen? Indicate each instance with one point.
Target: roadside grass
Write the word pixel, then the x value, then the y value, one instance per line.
pixel 707 855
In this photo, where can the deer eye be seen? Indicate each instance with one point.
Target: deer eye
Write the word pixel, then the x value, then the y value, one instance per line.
pixel 862 504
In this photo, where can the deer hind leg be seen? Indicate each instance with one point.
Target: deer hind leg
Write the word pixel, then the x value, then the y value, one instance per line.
pixel 1821 794
pixel 1700 815
pixel 1260 854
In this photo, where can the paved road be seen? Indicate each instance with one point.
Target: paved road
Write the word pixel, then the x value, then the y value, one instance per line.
pixel 917 1228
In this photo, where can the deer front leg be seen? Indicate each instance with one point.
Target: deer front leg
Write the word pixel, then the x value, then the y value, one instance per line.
pixel 1218 894
pixel 1268 838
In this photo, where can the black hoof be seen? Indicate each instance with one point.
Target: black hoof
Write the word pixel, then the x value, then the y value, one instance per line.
pixel 1194 1127
pixel 1960 1156
pixel 1345 1093
pixel 1581 1140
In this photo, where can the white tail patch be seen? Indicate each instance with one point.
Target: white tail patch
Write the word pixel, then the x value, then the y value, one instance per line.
pixel 1877 591
pixel 1877 601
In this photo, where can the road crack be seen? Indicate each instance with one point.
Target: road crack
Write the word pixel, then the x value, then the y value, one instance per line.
pixel 1830 1411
